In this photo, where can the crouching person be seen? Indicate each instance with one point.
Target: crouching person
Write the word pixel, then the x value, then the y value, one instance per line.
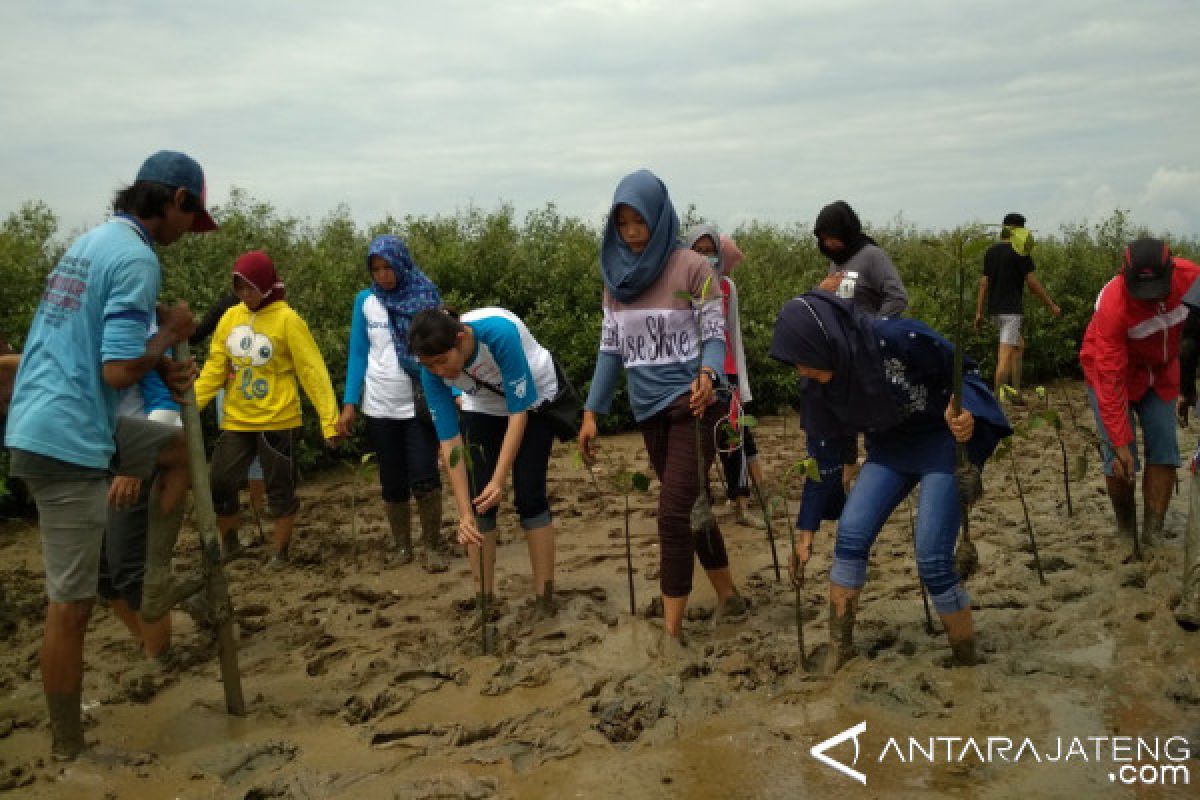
pixel 503 374
pixel 892 381
pixel 1130 360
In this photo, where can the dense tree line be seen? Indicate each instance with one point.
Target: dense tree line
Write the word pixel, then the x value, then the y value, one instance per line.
pixel 544 268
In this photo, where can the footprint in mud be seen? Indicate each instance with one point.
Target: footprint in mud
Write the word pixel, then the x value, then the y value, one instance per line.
pixel 528 674
pixel 440 787
pixel 528 749
pixel 624 720
pixel 1052 564
pixel 16 777
pixel 237 763
pixel 320 664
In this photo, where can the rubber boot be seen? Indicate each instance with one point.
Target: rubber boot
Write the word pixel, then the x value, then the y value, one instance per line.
pixel 429 508
pixel 1187 613
pixel 1125 510
pixel 841 638
pixel 399 516
pixel 960 633
pixel 545 603
pixel 1152 527
pixel 159 589
pixel 66 726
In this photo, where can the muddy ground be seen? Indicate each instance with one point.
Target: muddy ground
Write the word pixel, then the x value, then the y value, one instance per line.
pixel 366 681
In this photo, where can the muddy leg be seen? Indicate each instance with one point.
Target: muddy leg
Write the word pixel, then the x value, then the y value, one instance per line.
pixel 960 631
pixel 843 605
pixel 1157 483
pixel 1187 614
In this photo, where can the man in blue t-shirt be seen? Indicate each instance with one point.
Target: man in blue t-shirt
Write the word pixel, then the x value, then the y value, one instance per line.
pixel 88 341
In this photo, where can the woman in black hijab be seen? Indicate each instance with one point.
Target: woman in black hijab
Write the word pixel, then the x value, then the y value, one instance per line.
pixel 892 381
pixel 859 268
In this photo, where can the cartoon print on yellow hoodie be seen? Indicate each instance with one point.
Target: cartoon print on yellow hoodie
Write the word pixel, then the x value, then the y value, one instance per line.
pixel 257 357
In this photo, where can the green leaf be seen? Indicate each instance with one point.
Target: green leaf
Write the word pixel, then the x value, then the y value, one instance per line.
pixel 683 295
pixel 455 456
pixel 705 288
pixel 367 458
pixel 749 421
pixel 807 468
pixel 1041 392
pixel 1035 421
pixel 1053 418
pixel 577 457
pixel 811 470
pixel 639 481
pixel 1007 393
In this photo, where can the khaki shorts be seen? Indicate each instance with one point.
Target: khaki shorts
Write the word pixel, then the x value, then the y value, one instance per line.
pixel 71 518
pixel 139 441
pixel 1010 328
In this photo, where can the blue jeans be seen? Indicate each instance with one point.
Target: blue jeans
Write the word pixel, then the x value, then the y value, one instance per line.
pixel 1158 431
pixel 875 495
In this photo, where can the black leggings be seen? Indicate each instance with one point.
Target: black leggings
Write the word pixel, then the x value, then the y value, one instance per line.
pixel 407 454
pixel 486 432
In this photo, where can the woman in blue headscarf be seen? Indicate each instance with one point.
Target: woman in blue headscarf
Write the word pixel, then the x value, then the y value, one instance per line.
pixel 663 323
pixel 382 377
pixel 891 380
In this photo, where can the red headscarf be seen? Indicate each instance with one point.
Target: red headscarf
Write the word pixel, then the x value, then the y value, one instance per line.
pixel 257 269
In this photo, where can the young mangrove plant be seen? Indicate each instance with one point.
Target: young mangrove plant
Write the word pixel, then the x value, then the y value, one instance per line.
pixel 807 470
pixel 358 477
pixel 702 520
pixel 1008 448
pixel 625 481
pixel 733 438
pixel 1050 416
pixel 463 453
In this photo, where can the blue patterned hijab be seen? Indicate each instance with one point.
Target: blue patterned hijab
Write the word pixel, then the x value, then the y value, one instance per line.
pixel 414 292
pixel 628 274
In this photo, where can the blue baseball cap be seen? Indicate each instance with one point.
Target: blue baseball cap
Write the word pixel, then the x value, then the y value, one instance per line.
pixel 180 171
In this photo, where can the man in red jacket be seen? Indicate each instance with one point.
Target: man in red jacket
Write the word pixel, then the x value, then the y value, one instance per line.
pixel 1130 360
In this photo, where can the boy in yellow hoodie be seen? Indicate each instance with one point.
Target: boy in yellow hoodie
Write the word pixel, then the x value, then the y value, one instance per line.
pixel 260 348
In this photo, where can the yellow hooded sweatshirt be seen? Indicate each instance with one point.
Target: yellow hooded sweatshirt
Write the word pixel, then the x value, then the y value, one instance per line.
pixel 257 357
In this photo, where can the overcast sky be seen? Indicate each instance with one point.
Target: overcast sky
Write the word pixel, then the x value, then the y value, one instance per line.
pixel 943 110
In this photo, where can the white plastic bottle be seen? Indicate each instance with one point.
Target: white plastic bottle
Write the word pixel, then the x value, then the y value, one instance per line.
pixel 846 287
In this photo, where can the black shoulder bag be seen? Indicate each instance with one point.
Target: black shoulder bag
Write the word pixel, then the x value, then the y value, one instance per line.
pixel 563 413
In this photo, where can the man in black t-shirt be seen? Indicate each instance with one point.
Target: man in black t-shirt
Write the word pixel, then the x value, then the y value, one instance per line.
pixel 1006 273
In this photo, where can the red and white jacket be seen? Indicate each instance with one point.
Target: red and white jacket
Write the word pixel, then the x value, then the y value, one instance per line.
pixel 1132 346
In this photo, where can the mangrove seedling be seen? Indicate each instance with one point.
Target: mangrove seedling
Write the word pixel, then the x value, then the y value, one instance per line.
pixel 702 519
pixel 358 476
pixel 808 470
pixel 734 439
pixel 1007 448
pixel 912 527
pixel 463 453
pixel 966 244
pixel 628 482
pixel 1049 416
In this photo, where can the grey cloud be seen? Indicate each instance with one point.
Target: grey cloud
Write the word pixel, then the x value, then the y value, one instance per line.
pixel 941 110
